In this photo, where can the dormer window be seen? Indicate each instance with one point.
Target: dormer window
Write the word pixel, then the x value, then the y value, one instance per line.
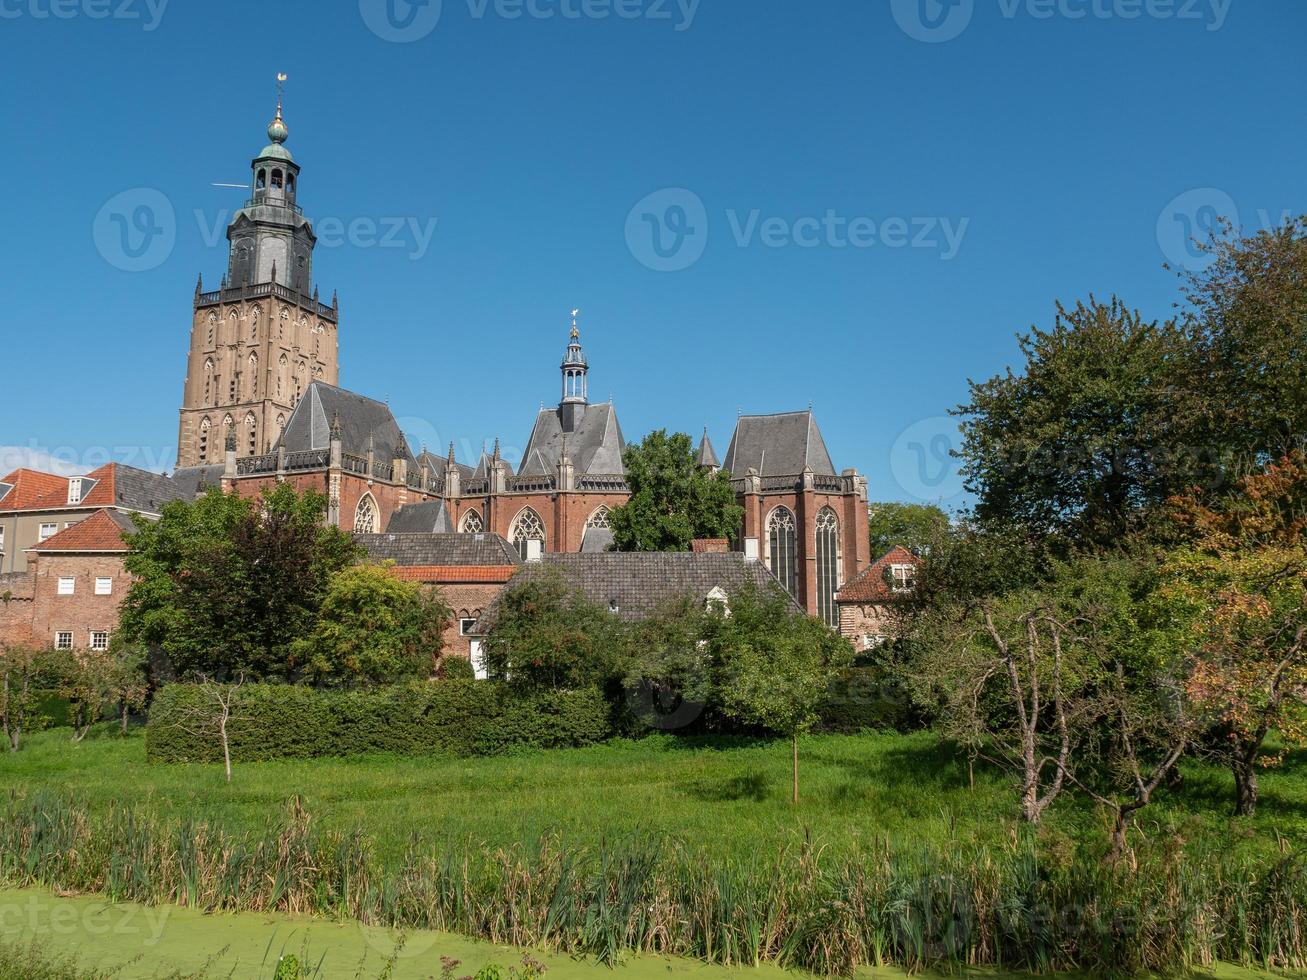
pixel 718 601
pixel 903 577
pixel 75 490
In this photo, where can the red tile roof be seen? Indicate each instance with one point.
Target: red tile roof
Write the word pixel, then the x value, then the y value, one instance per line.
pixel 455 574
pixel 29 486
pixel 102 531
pixel 871 586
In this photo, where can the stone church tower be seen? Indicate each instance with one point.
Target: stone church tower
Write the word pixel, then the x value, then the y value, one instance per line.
pixel 261 339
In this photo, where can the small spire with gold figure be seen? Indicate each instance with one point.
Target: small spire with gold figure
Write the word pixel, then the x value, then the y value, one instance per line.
pixel 277 131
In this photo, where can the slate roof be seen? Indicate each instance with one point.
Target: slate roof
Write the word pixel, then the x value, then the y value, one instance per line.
pixel 707 455
pixel 641 582
pixel 778 445
pixel 364 423
pixel 439 465
pixel 596 540
pixel 594 446
pixel 195 480
pixel 112 485
pixel 870 586
pixel 424 517
pixel 102 531
pixel 439 549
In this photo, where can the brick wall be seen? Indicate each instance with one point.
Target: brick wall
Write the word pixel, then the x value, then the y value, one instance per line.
pixel 83 612
pixel 16 609
pixel 860 621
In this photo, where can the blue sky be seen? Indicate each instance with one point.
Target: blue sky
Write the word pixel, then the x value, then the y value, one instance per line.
pixel 856 204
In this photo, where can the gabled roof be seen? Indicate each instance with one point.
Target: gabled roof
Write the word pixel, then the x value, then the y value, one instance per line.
pixel 424 517
pixel 778 445
pixel 112 485
pixel 439 549
pixel 594 446
pixel 640 582
pixel 20 489
pixel 438 466
pixel 364 424
pixel 102 531
pixel 870 586
pixel 195 480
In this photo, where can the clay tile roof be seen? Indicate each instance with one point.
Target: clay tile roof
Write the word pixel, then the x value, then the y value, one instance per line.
pixel 870 586
pixel 102 531
pixel 433 550
pixel 26 487
pixel 455 574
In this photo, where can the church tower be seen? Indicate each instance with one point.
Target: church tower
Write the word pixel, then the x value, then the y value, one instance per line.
pixel 260 339
pixel 575 382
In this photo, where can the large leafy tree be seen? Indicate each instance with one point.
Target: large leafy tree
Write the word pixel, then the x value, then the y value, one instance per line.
pixel 1242 588
pixel 914 526
pixel 225 585
pixel 373 628
pixel 1080 441
pixel 673 500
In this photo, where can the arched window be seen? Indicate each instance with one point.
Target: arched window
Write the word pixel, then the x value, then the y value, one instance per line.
pixel 261 182
pixel 365 516
pixel 228 430
pixel 208 382
pixel 828 566
pixel 471 523
pixel 281 425
pixel 782 549
pixel 276 180
pixel 252 434
pixel 299 383
pixel 599 518
pixel 281 375
pixel 254 375
pixel 213 326
pixel 205 426
pixel 527 527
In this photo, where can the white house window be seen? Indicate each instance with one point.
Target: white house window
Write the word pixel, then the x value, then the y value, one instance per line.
pixel 902 577
pixel 104 586
pixel 47 531
pixel 2 540
pixel 99 640
pixel 782 548
pixel 63 640
pixel 67 585
pixel 465 626
pixel 75 490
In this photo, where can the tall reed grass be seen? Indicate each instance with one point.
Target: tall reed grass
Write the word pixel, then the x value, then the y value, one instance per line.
pixel 1018 906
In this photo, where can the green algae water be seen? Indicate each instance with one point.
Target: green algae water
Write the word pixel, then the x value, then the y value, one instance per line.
pixel 140 942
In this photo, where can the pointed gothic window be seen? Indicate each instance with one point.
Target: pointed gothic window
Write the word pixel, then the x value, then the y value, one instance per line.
pixel 828 566
pixel 254 375
pixel 205 425
pixel 208 382
pixel 527 527
pixel 252 433
pixel 599 518
pixel 365 516
pixel 472 523
pixel 782 549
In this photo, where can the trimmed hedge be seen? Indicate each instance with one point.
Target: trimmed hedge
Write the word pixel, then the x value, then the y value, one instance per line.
pixel 452 717
pixel 862 698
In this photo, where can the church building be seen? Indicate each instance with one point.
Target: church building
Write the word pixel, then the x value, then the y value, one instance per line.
pixel 262 404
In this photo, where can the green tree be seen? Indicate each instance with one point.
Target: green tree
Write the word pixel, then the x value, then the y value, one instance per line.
pixel 673 500
pixel 127 678
pixel 21 668
pixel 225 585
pixel 914 526
pixel 545 635
pixel 770 666
pixel 1083 441
pixel 373 628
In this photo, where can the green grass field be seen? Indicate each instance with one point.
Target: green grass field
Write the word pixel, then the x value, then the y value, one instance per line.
pixel 729 797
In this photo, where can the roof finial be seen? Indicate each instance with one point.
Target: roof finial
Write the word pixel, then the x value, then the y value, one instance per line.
pixel 576 333
pixel 277 131
pixel 496 449
pixel 451 451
